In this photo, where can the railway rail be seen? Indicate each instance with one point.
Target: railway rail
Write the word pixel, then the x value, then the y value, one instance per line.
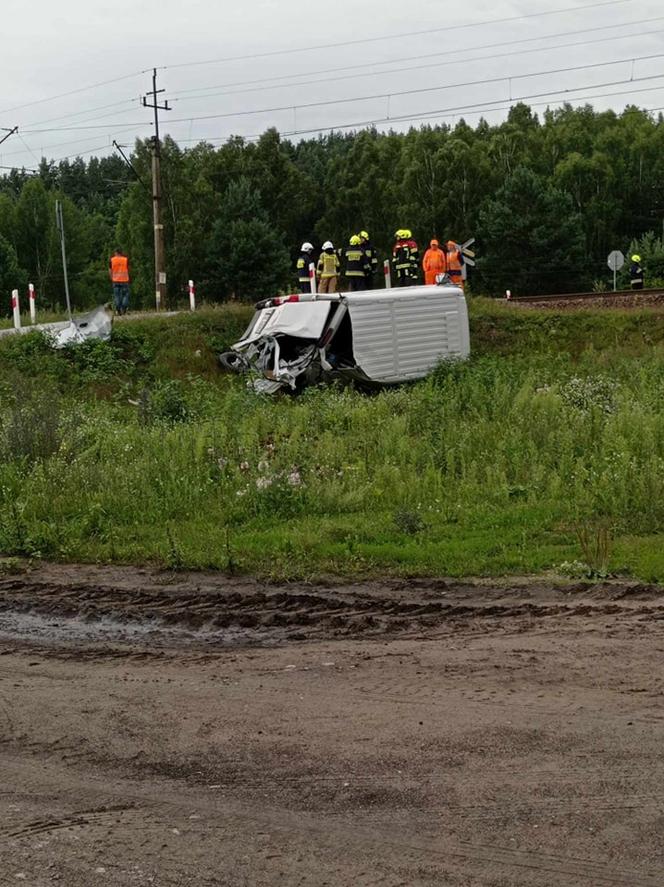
pixel 570 297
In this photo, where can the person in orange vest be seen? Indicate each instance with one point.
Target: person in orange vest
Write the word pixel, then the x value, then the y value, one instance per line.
pixel 118 271
pixel 433 263
pixel 454 263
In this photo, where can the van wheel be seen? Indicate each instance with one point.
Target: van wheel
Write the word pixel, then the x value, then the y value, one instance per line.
pixel 233 362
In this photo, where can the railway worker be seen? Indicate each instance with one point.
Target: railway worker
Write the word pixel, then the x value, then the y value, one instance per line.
pixel 328 269
pixel 357 264
pixel 371 256
pixel 302 267
pixel 636 273
pixel 454 263
pixel 433 263
pixel 118 271
pixel 405 258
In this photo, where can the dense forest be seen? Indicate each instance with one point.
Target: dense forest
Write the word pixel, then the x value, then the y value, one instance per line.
pixel 547 199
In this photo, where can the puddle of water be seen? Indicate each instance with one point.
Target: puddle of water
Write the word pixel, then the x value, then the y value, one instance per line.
pixel 59 631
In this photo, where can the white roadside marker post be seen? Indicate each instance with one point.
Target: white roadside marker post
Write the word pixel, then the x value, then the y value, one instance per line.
pixel 312 278
pixel 388 274
pixel 192 296
pixel 16 308
pixel 33 303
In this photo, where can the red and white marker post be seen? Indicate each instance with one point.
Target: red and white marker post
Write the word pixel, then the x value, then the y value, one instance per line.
pixel 16 308
pixel 33 303
pixel 387 273
pixel 312 278
pixel 192 296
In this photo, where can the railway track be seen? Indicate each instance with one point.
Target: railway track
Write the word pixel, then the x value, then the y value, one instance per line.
pixel 646 295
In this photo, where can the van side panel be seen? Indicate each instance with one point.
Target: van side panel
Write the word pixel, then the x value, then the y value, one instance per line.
pixel 404 337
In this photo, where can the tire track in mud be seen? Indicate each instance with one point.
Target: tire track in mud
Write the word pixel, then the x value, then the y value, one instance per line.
pixel 217 612
pixel 105 816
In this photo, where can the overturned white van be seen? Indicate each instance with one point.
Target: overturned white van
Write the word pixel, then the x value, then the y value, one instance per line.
pixel 377 337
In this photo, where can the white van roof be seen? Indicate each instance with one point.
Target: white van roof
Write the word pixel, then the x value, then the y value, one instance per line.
pixel 403 336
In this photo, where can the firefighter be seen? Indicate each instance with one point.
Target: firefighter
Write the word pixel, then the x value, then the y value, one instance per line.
pixel 454 263
pixel 328 269
pixel 433 263
pixel 357 264
pixel 414 256
pixel 118 271
pixel 371 256
pixel 405 258
pixel 636 273
pixel 302 266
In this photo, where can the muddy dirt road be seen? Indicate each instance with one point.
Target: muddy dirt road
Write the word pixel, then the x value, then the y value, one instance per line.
pixel 191 730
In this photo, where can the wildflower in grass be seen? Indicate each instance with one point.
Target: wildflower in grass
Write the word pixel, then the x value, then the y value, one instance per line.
pixel 592 392
pixel 295 478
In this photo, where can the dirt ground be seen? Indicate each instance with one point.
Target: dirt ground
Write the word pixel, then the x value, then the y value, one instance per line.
pixel 194 730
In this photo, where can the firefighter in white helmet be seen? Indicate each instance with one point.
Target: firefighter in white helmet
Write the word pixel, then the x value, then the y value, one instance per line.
pixel 305 259
pixel 328 269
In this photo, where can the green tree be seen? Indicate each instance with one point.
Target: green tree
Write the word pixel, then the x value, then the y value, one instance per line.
pixel 247 257
pixel 12 275
pixel 531 237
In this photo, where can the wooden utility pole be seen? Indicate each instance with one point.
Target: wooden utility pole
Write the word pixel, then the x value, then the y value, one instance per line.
pixel 159 251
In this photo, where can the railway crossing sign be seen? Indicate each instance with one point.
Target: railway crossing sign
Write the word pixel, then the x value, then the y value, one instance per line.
pixel 468 256
pixel 615 261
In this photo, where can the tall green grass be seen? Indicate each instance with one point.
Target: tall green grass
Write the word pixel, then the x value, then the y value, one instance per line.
pixel 499 465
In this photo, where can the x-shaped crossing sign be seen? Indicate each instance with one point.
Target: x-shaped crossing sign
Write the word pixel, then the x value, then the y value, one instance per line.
pixel 468 256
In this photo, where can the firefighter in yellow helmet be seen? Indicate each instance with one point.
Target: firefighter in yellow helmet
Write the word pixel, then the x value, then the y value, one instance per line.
pixel 357 264
pixel 636 273
pixel 405 258
pixel 372 257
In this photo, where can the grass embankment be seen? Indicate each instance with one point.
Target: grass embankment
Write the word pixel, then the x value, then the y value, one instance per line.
pixel 546 448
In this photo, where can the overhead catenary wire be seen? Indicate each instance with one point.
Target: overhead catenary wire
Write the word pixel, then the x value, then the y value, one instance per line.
pixel 457 111
pixel 260 84
pixel 62 95
pixel 89 124
pixel 420 90
pixel 419 33
pixel 42 148
pixel 136 99
pixel 413 67
pixel 204 92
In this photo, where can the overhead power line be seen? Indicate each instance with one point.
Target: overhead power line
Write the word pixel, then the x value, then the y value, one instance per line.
pixel 206 92
pixel 419 91
pixel 62 95
pixel 427 31
pixel 126 124
pixel 418 67
pixel 460 110
pixel 453 54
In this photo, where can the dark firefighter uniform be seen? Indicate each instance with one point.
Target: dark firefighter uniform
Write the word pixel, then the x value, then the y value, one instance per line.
pixel 405 258
pixel 372 258
pixel 357 265
pixel 302 267
pixel 636 273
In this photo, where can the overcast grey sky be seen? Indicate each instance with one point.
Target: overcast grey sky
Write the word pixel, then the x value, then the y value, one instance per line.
pixel 52 48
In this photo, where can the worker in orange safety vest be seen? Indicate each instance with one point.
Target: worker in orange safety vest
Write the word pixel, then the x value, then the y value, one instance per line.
pixel 118 271
pixel 454 263
pixel 433 263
